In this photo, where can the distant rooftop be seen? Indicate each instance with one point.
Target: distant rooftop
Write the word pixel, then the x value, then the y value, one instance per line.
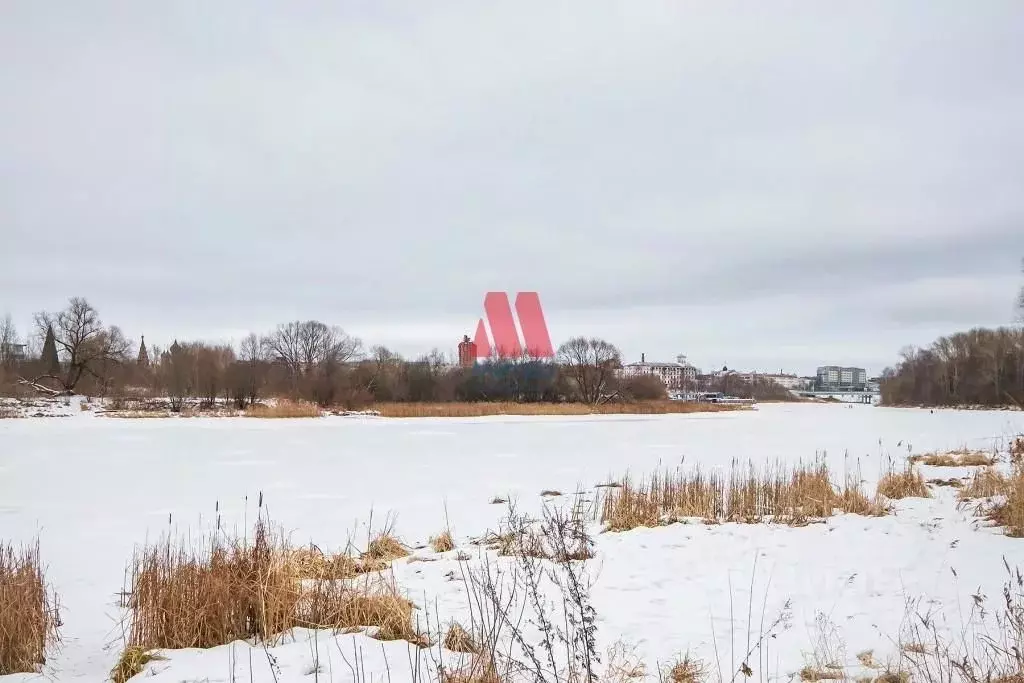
pixel 658 364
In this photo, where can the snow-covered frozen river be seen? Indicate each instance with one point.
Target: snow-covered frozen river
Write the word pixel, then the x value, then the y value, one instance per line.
pixel 92 488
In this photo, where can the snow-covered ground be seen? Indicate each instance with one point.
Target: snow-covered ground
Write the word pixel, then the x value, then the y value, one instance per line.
pixel 93 488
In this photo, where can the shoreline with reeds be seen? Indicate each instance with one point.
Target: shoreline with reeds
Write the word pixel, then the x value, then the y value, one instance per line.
pixel 487 409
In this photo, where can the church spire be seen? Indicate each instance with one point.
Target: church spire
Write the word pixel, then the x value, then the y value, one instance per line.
pixel 143 353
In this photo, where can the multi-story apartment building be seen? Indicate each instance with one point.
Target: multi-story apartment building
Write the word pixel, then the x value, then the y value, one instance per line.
pixel 837 378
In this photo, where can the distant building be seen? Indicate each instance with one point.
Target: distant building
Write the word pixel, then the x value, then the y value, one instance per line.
pixel 672 375
pixel 791 382
pixel 467 352
pixel 837 378
pixel 14 352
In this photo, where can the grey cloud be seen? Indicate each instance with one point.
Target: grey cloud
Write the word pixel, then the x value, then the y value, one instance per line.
pixel 664 172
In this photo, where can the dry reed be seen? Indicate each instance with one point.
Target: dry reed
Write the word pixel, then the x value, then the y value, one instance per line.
pixel 685 669
pixel 131 662
pixel 985 484
pixel 622 664
pixel 385 547
pixel 313 563
pixel 372 601
pixel 443 542
pixel 284 408
pixel 458 639
pixel 907 483
pixel 1009 513
pixel 810 674
pixel 29 616
pixel 958 458
pixel 181 596
pixel 484 409
pixel 480 669
pixel 1006 490
pixel 746 495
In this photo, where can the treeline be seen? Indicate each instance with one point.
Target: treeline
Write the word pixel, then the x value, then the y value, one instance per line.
pixel 758 388
pixel 983 367
pixel 307 360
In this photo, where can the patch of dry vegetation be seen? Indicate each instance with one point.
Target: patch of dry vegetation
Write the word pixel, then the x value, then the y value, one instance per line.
pixel 131 662
pixel 284 408
pixel 810 674
pixel 746 495
pixel 180 595
pixel 985 484
pixel 963 457
pixel 385 547
pixel 1009 513
pixel 484 409
pixel 443 542
pixel 907 483
pixel 559 535
pixel 893 676
pixel 312 563
pixel 479 670
pixel 987 647
pixel 685 669
pixel 622 664
pixel 1006 490
pixel 29 616
pixel 458 639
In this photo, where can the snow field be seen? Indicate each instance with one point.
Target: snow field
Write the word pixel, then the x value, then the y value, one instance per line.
pixel 92 489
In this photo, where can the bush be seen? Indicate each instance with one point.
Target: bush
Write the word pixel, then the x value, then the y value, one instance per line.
pixel 644 388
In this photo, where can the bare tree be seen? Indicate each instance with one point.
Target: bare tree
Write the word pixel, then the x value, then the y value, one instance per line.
pixel 303 347
pixel 590 365
pixel 8 339
pixel 176 374
pixel 249 373
pixel 87 347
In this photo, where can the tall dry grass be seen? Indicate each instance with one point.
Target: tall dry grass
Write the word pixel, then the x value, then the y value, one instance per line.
pixel 483 409
pixel 29 616
pixel 180 595
pixel 1009 512
pixel 284 408
pixel 905 483
pixel 1006 490
pixel 233 589
pixel 746 494
pixel 985 484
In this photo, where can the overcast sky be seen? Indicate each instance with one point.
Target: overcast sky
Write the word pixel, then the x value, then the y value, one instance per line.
pixel 761 184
